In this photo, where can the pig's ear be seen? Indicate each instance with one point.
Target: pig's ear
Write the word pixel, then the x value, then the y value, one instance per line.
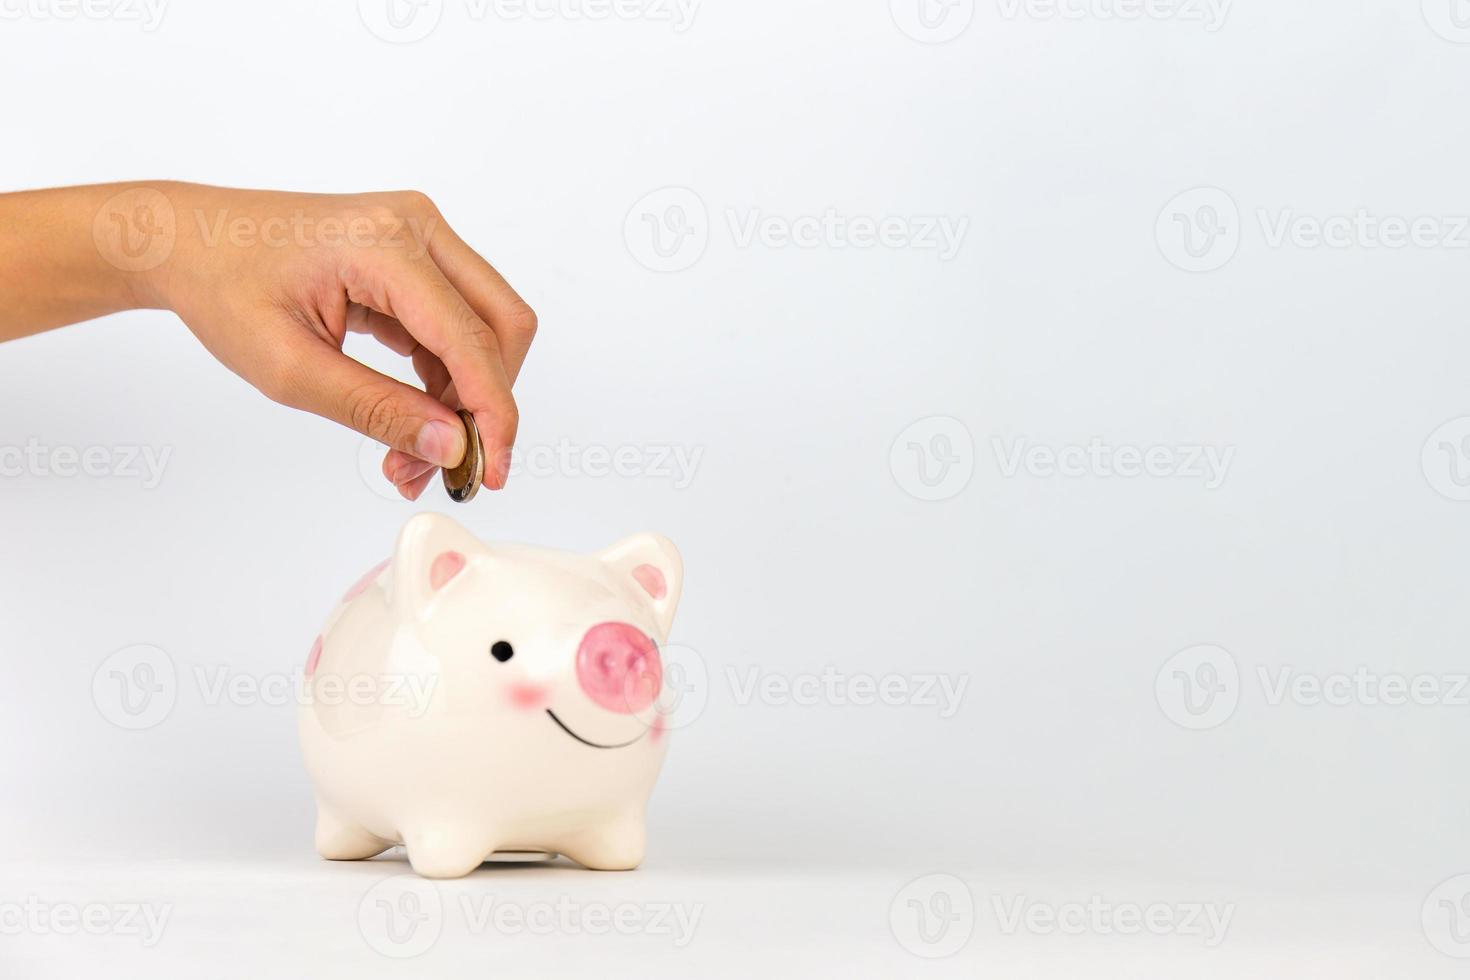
pixel 653 569
pixel 433 551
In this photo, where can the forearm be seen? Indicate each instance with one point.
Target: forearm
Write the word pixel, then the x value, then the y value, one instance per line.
pixel 272 282
pixel 74 253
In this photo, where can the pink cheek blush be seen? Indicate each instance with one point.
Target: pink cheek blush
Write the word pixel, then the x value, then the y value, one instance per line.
pixel 361 585
pixel 314 658
pixel 658 728
pixel 527 696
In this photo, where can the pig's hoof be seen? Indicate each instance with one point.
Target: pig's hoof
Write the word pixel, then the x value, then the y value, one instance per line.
pixel 435 854
pixel 341 840
pixel 615 847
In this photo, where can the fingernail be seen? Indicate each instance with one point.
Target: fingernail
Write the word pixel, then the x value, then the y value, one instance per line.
pixel 410 469
pixel 498 471
pixel 440 443
pixel 394 464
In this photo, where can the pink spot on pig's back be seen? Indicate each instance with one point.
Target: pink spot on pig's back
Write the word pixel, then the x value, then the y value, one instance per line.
pixel 361 585
pixel 314 658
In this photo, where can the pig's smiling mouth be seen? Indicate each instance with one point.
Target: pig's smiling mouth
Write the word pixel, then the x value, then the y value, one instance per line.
pixel 596 745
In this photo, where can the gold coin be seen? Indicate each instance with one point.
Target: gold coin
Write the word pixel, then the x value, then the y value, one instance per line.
pixel 463 481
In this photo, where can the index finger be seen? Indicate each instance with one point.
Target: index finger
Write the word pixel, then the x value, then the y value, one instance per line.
pixel 417 293
pixel 487 291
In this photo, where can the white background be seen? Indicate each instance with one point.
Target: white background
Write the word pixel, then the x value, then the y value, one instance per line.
pixel 1061 144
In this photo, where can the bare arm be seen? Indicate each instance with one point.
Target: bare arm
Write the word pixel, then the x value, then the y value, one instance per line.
pixel 271 283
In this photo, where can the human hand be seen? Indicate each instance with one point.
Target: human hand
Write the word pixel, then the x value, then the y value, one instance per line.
pixel 272 282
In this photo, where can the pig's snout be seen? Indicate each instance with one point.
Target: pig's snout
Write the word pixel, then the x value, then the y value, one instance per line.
pixel 619 667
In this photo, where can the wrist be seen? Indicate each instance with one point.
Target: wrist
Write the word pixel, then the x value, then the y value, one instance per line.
pixel 137 230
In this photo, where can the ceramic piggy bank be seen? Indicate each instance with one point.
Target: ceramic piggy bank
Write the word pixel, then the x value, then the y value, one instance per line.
pixel 468 698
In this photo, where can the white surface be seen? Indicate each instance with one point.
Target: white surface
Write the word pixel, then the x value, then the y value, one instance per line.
pixel 776 916
pixel 1071 147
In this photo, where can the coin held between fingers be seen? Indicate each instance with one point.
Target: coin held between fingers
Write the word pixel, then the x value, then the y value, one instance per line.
pixel 463 481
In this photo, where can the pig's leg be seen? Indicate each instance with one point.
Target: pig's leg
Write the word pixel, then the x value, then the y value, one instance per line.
pixel 343 840
pixel 615 845
pixel 437 852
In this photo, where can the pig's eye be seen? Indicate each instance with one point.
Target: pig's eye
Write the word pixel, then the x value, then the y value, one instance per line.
pixel 502 651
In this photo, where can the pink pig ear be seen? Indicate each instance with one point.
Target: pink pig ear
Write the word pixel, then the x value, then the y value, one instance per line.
pixel 652 568
pixel 433 553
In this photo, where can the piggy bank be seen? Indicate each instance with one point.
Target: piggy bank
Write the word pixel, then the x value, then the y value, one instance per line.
pixel 466 699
